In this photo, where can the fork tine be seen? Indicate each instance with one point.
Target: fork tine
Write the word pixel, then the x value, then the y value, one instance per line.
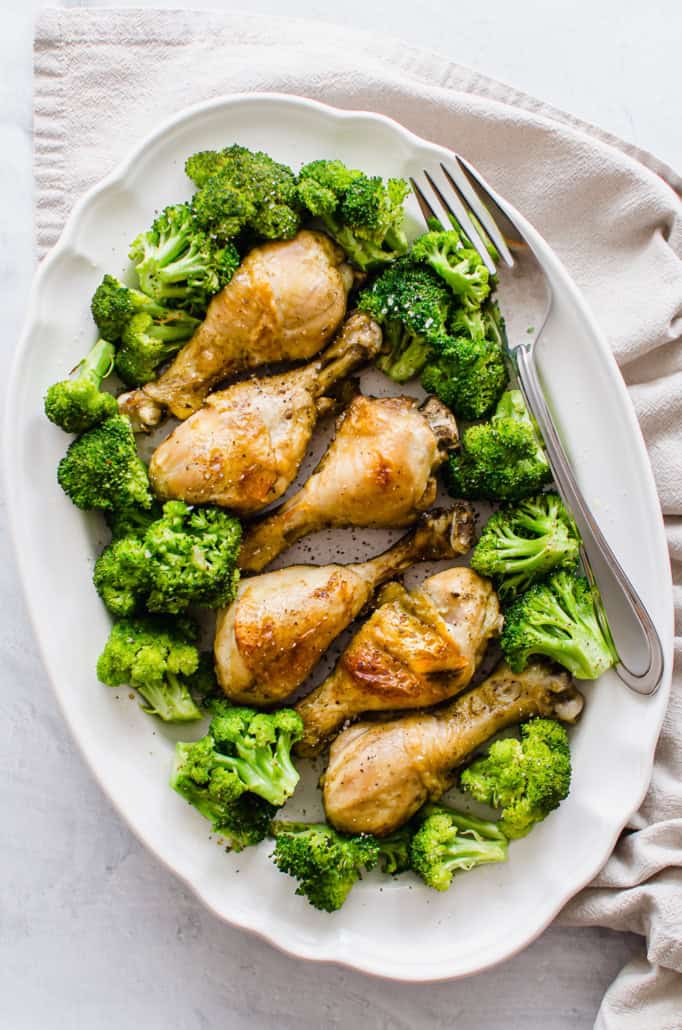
pixel 470 198
pixel 461 218
pixel 424 206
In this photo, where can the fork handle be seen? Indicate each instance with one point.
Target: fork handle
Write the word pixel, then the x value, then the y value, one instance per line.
pixel 621 601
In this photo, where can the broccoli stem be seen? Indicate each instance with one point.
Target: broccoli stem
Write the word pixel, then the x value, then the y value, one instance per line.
pixel 172 701
pixel 273 779
pixel 466 852
pixel 97 365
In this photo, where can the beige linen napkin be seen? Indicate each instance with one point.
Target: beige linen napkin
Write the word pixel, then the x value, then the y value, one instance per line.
pixel 95 97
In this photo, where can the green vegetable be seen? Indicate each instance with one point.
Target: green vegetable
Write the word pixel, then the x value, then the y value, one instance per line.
pixel 449 254
pixel 467 370
pixel 102 469
pixel 131 521
pixel 326 864
pixel 448 841
pixel 362 213
pixel 179 264
pixel 156 657
pixel 243 191
pixel 188 555
pixel 526 778
pixel 150 332
pixel 200 776
pixel 256 747
pixel 501 460
pixel 78 404
pixel 394 851
pixel 559 618
pixel 522 543
pixel 412 305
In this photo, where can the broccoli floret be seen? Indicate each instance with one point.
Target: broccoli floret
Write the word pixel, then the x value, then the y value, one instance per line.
pixel 448 253
pixel 78 404
pixel 501 460
pixel 200 776
pixel 521 544
pixel 243 191
pixel 394 851
pixel 150 332
pixel 467 371
pixel 560 618
pixel 526 778
pixel 448 840
pixel 256 746
pixel 155 656
pixel 131 521
pixel 114 304
pixel 188 555
pixel 121 575
pixel 412 305
pixel 192 554
pixel 102 469
pixel 179 264
pixel 362 213
pixel 326 864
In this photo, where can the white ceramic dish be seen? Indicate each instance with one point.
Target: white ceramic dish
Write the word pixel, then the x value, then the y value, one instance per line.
pixel 394 928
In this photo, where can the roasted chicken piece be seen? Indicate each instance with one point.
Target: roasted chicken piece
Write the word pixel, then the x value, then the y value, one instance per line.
pixel 284 302
pixel 380 773
pixel 378 471
pixel 281 623
pixel 244 447
pixel 416 649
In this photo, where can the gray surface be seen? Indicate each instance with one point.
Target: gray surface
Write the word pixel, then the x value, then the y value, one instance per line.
pixel 94 933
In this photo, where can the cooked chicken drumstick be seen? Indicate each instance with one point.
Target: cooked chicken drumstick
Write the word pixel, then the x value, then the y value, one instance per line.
pixel 380 773
pixel 284 302
pixel 282 622
pixel 416 649
pixel 243 448
pixel 378 471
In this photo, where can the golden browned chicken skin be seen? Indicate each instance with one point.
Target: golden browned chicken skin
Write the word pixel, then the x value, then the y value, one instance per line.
pixel 270 638
pixel 378 471
pixel 244 447
pixel 417 649
pixel 284 302
pixel 380 773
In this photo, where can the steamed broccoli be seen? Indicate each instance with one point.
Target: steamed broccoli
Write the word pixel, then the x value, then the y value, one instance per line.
pixel 256 747
pixel 243 191
pixel 501 460
pixel 188 555
pixel 179 264
pixel 362 213
pixel 412 305
pixel 560 618
pixel 521 544
pixel 467 370
pixel 121 575
pixel 155 656
pixel 326 864
pixel 394 851
pixel 201 777
pixel 132 520
pixel 526 778
pixel 102 469
pixel 150 332
pixel 448 840
pixel 78 404
pixel 449 254
pixel 148 342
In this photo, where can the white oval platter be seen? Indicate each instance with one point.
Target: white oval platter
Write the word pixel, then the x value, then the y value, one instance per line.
pixel 389 927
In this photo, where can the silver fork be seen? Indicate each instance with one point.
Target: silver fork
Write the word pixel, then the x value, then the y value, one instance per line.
pixel 465 198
